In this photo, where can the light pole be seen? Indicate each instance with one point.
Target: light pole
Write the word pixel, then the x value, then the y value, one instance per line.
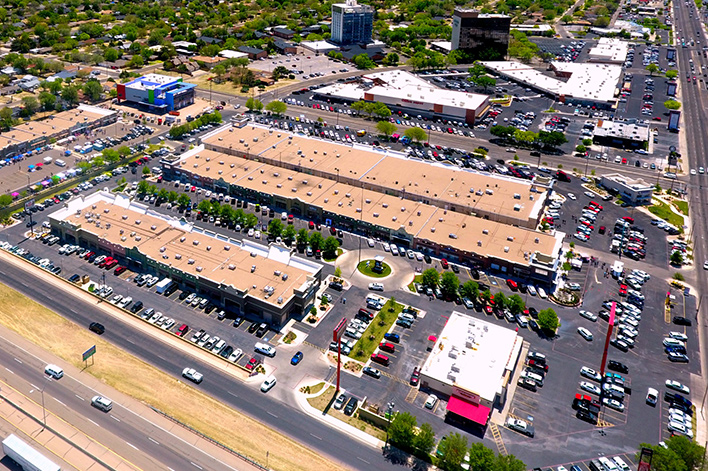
pixel 389 411
pixel 44 409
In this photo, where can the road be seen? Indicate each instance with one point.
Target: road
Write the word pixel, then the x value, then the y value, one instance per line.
pixel 694 144
pixel 286 419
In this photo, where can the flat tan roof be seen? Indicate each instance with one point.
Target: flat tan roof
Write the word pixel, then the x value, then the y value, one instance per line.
pixel 446 184
pixel 205 255
pixel 420 220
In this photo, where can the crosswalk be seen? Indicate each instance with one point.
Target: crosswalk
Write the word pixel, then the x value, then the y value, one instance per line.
pixel 501 448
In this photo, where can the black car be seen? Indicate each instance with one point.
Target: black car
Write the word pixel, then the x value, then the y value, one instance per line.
pixel 183 295
pixel 262 329
pixel 209 307
pixel 455 268
pixel 226 352
pixel 237 322
pixel 533 312
pixel 617 366
pixel 136 307
pixel 427 258
pixel 679 320
pixel 351 406
pixel 475 274
pixel 74 278
pixel 253 327
pixel 587 416
pixel 96 327
pixel 336 286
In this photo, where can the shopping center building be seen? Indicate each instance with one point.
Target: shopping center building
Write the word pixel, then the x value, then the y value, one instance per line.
pixel 267 283
pixel 450 212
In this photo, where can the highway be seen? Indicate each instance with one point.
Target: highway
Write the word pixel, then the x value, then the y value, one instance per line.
pixel 285 418
pixel 694 138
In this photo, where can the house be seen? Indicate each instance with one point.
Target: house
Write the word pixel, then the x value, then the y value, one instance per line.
pixel 28 83
pixel 10 70
pixel 209 62
pixel 64 75
pixel 9 90
pixel 283 32
pixel 285 47
pixel 264 77
pixel 209 40
pixel 253 52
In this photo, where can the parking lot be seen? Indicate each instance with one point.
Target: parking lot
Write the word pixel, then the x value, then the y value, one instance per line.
pixel 303 66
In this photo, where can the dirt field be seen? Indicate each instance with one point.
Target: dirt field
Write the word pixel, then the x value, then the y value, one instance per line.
pixel 43 327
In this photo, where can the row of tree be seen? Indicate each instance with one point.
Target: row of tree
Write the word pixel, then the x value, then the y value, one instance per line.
pixel 177 132
pixel 405 434
pixel 547 139
pixel 372 108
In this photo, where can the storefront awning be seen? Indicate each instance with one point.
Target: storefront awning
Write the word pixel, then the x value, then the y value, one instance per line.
pixel 475 412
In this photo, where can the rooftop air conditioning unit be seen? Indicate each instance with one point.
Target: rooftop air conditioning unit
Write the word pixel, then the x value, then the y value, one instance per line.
pixel 253 268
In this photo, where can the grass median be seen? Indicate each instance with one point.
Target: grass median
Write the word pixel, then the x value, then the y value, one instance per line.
pixel 663 211
pixel 134 377
pixel 373 334
pixel 365 268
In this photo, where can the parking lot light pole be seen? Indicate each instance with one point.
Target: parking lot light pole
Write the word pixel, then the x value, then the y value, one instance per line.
pixel 389 411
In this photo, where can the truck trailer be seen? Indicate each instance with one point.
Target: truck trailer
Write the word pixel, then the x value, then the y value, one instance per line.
pixel 27 457
pixel 163 285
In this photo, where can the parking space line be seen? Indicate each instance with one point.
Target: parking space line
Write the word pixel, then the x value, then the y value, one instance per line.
pixel 412 394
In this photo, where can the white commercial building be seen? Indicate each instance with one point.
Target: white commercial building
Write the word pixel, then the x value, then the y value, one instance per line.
pixel 408 91
pixel 634 191
pixel 609 51
pixel 230 54
pixel 473 362
pixel 582 84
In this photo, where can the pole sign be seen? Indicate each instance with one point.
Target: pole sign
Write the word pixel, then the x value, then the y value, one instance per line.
pixel 339 330
pixel 29 204
pixel 89 353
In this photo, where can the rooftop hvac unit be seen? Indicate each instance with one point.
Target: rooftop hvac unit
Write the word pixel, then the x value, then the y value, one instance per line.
pixel 178 256
pixel 232 266
pixel 455 368
pixel 469 342
pixel 485 231
pixel 453 353
pixel 190 261
pixel 453 236
pixel 182 239
pixel 253 268
pixel 452 376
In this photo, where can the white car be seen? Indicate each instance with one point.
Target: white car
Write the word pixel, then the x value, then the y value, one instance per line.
pixel 585 333
pixel 531 290
pixel 613 403
pixel 116 299
pixel 589 387
pixel 431 401
pixel 571 196
pixel 251 232
pixel 574 286
pixel 54 371
pixel 588 315
pixel 192 375
pixel 125 301
pixel 386 247
pixel 590 374
pixel 680 428
pixel 541 293
pixel 235 355
pixel 676 386
pixel 652 396
pixel 370 242
pixel 376 286
pixel 190 298
pixel 678 336
pixel 268 384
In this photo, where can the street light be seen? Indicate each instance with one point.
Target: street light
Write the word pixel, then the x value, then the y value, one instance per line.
pixel 389 411
pixel 44 410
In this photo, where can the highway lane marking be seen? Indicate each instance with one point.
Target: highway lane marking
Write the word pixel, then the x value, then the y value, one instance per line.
pixel 35 387
pixel 18 360
pixel 362 459
pixel 115 418
pixel 153 440
pixel 9 370
pixel 234 395
pixel 269 412
pixel 316 437
pixel 195 465
pixel 60 402
pixel 79 397
pixel 132 445
pixel 93 423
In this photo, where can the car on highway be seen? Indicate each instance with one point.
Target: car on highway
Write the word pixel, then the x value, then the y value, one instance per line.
pixel 192 375
pixel 54 371
pixel 102 403
pixel 97 328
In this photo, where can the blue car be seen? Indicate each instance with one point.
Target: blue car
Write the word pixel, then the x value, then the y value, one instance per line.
pixel 391 337
pixel 297 358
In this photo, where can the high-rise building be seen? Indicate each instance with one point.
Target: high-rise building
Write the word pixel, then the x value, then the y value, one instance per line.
pixel 484 36
pixel 352 23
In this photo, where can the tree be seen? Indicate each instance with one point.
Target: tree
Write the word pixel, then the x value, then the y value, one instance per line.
pixel 183 200
pixel 363 61
pixel 401 432
pixel 250 221
pixel 680 454
pixel 470 289
pixel 672 104
pixel 452 451
pixel 508 463
pixel 671 74
pixel 143 187
pixel 676 258
pixel 449 284
pixel 581 148
pixel 173 195
pixel 70 94
pixel 566 19
pixel 515 304
pixel 254 105
pixel 500 300
pixel 111 55
pixel 330 246
pixel 652 69
pixel 316 241
pixel 481 457
pixel 276 107
pixel 275 228
pixel 430 278
pixel 47 100
pixel 163 194
pixel 548 320
pixel 485 81
pixel 391 59
pixel 30 106
pixel 219 72
pixel 302 237
pixel 415 134
pixel 110 155
pixel 425 440
pixel 381 110
pixel 552 138
pixel 146 170
pixel 502 132
pixel 289 234
pixel 386 128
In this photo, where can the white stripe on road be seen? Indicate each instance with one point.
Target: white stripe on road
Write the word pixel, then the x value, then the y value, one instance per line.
pixel 132 445
pixel 79 397
pixel 60 402
pixel 269 412
pixel 153 440
pixel 115 418
pixel 93 423
pixel 362 459
pixel 18 361
pixel 35 387
pixel 8 369
pixel 315 436
pixel 196 465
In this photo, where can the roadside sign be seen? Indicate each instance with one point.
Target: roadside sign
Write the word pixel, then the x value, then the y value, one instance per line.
pixel 89 353
pixel 339 330
pixel 29 204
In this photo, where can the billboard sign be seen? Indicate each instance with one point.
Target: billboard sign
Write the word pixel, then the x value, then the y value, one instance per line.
pixel 645 458
pixel 674 116
pixel 89 353
pixel 29 204
pixel 339 330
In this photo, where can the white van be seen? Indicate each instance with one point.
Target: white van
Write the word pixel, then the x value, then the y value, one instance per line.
pixel 608 465
pixel 284 216
pixel 671 342
pixel 219 346
pixel 60 163
pixel 535 377
pixel 620 463
pixel 54 371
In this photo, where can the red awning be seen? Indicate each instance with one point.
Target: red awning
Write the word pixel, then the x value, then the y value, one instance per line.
pixel 475 412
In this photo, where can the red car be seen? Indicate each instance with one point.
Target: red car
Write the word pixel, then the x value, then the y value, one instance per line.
pixel 415 376
pixel 387 347
pixel 379 358
pixel 332 230
pixel 623 290
pixel 88 255
pixel 251 365
pixel 106 261
pixel 444 263
pixel 119 270
pixel 598 206
pixel 311 225
pixel 488 310
pixel 512 284
pixel 182 330
pixel 629 219
pixel 111 264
